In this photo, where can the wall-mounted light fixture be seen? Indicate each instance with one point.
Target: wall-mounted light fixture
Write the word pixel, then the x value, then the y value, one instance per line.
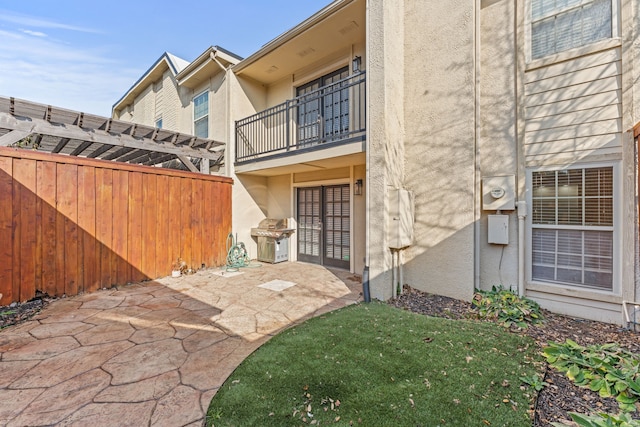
pixel 357 187
pixel 356 64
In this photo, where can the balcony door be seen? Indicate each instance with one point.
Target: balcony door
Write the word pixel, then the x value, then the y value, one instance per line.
pixel 324 225
pixel 323 109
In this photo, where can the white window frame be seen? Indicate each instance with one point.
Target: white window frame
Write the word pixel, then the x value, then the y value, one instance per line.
pixel 574 52
pixel 206 116
pixel 617 224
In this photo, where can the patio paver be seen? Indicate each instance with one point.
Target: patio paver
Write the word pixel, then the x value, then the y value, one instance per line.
pixel 153 353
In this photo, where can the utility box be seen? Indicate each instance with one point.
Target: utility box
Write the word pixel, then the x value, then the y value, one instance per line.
pixel 499 193
pixel 400 218
pixel 498 229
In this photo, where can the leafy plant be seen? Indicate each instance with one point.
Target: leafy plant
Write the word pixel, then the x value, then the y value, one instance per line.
pixel 607 369
pixel 601 420
pixel 535 381
pixel 506 307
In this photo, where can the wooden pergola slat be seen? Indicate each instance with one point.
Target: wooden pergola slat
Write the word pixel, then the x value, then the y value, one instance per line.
pixel 97 136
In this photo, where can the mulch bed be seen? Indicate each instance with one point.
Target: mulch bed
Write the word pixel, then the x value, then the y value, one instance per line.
pixel 19 312
pixel 555 401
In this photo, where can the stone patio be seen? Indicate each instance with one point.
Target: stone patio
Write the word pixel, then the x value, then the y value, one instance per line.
pixel 154 353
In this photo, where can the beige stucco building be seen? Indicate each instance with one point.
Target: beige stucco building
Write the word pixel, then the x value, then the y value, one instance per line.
pixel 507 123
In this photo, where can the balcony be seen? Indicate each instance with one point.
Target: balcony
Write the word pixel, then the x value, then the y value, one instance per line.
pixel 326 117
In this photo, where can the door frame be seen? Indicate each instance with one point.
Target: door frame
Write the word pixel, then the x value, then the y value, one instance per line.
pixel 324 183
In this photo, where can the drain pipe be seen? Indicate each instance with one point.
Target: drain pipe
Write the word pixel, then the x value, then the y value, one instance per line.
pixel 522 214
pixel 394 275
pixel 400 272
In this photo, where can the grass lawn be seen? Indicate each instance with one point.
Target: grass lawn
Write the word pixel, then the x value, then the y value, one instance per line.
pixel 375 365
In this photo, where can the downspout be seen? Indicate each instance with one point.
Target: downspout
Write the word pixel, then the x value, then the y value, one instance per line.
pixel 476 145
pixel 522 214
pixel 366 291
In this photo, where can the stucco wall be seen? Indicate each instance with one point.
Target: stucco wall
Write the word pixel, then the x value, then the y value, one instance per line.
pixel 497 143
pixel 359 215
pixel 250 197
pixel 385 103
pixel 439 144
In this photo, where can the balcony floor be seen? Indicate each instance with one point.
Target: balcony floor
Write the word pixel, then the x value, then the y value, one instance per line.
pixel 326 158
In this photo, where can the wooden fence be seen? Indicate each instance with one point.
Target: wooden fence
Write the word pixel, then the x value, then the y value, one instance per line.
pixel 70 225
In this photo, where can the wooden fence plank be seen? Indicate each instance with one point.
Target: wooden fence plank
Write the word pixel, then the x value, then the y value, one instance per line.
pixel 104 223
pixel 46 190
pixel 25 175
pixel 17 231
pixel 68 208
pixel 197 223
pixel 59 265
pixel 208 225
pixel 121 220
pixel 163 256
pixel 135 226
pixel 149 224
pixel 185 221
pixel 87 227
pixel 175 212
pixel 6 221
pixel 39 241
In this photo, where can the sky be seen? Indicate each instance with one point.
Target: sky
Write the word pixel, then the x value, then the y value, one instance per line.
pixel 84 56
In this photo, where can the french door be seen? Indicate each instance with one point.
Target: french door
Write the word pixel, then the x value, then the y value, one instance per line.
pixel 323 110
pixel 324 225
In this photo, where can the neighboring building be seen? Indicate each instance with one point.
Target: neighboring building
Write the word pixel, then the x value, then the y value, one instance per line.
pixel 478 108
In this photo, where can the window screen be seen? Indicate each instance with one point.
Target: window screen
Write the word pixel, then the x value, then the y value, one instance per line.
pixel 559 25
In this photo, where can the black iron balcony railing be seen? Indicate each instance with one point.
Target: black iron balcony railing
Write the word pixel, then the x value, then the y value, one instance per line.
pixel 328 116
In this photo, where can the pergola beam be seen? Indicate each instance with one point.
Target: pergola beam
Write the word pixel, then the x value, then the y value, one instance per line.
pixel 13 137
pixel 98 136
pixel 188 164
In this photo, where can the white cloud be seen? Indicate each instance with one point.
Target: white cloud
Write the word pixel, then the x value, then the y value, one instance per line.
pixel 37 22
pixel 34 33
pixel 52 72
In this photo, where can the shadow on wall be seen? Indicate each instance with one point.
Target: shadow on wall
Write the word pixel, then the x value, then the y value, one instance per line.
pixel 67 228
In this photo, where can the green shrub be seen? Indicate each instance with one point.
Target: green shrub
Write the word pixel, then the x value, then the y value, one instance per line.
pixel 601 420
pixel 607 369
pixel 506 307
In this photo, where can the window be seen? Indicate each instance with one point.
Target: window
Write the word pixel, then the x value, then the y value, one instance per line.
pixel 559 25
pixel 159 123
pixel 572 227
pixel 201 115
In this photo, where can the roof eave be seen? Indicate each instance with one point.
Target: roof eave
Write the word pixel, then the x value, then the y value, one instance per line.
pixel 163 61
pixel 223 58
pixel 292 33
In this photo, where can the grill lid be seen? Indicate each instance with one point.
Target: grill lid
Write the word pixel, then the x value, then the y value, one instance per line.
pixel 273 224
pixel 270 227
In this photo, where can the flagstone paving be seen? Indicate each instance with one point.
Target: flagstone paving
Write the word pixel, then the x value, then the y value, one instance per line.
pixel 153 353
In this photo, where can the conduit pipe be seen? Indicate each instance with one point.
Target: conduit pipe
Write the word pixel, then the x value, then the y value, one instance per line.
pixel 522 214
pixel 400 272
pixel 393 275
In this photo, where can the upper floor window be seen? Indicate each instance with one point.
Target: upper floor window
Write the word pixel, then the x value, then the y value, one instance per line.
pixel 159 123
pixel 201 115
pixel 559 25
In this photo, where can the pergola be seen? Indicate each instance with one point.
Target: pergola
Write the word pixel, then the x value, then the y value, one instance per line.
pixel 50 129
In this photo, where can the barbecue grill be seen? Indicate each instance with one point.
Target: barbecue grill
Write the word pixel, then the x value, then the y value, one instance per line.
pixel 273 240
